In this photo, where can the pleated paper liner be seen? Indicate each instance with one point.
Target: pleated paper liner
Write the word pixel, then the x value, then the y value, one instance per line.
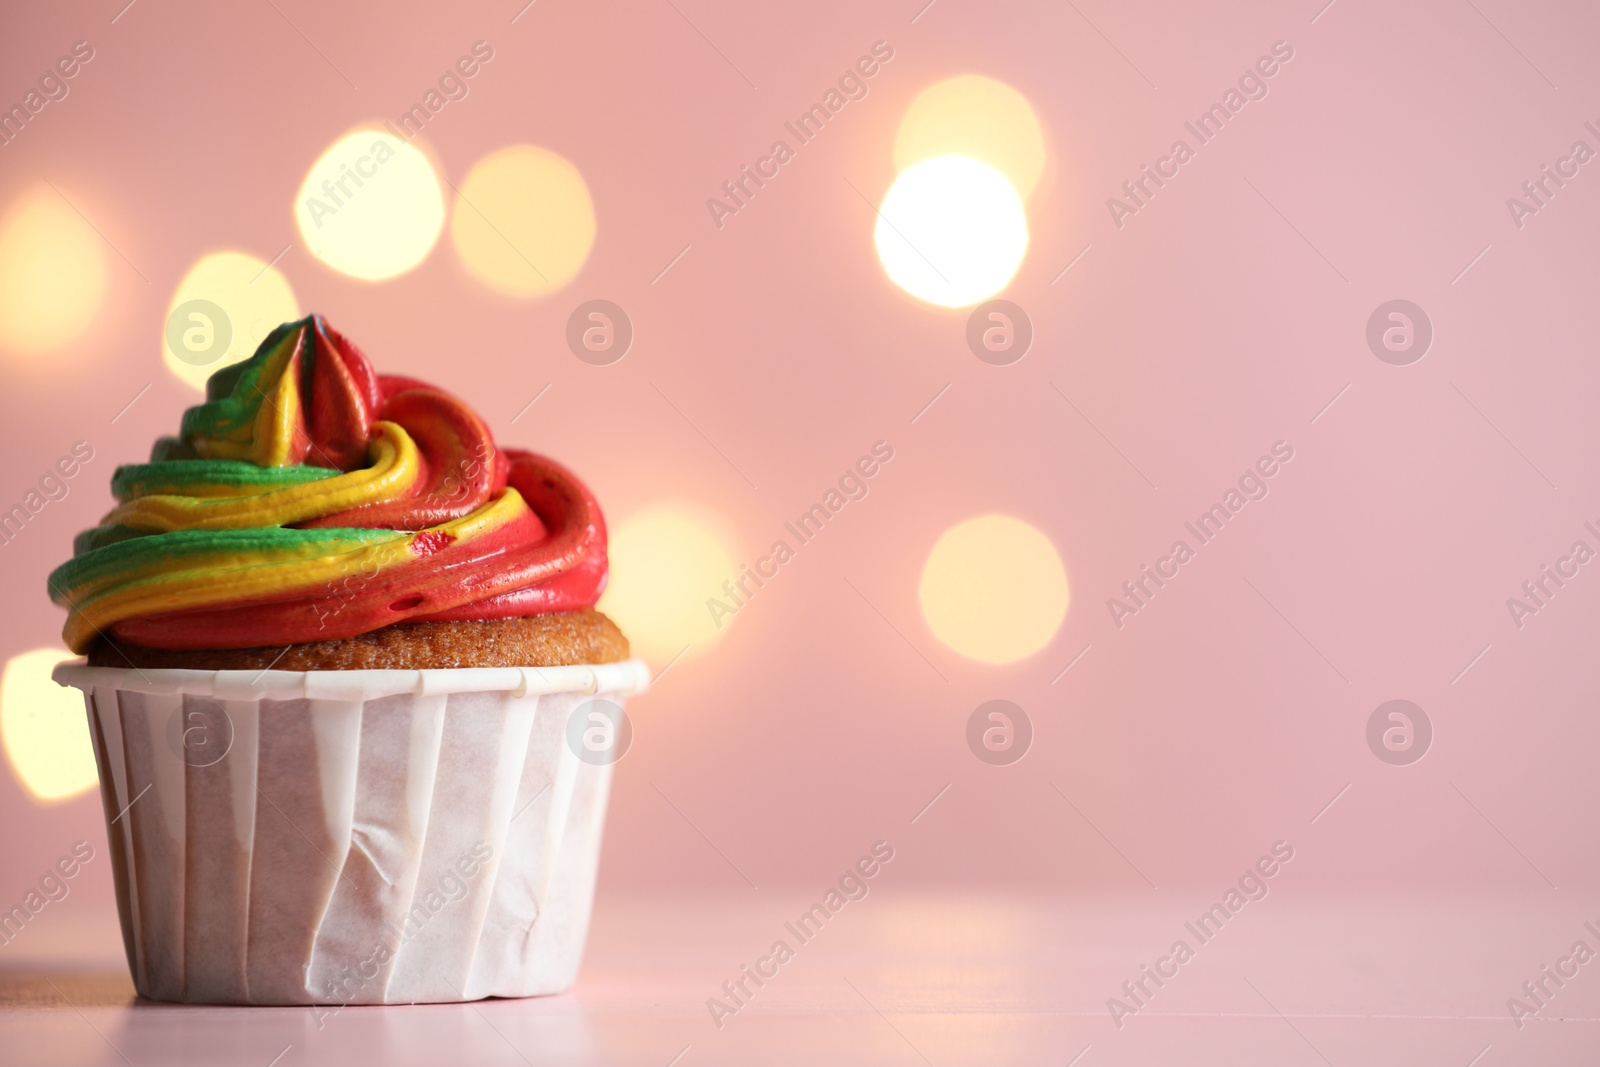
pixel 354 837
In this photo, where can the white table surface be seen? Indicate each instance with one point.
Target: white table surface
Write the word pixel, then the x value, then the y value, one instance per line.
pixel 903 979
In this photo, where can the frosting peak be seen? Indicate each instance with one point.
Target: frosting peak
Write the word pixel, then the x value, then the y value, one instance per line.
pixel 310 498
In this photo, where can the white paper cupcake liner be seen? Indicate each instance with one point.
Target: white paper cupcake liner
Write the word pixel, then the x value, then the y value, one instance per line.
pixel 350 837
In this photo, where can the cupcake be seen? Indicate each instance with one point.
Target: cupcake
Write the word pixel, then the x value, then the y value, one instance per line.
pixel 353 708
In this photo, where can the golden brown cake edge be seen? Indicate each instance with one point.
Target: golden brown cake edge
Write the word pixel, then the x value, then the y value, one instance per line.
pixel 553 640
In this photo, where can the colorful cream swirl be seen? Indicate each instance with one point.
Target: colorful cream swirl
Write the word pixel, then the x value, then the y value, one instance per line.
pixel 310 498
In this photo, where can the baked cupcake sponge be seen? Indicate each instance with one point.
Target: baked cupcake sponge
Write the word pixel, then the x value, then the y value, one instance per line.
pixel 576 637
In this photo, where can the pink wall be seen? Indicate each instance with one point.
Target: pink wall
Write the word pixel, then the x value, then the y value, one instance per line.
pixel 1221 318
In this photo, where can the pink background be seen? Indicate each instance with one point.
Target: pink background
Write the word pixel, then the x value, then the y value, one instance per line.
pixel 1194 337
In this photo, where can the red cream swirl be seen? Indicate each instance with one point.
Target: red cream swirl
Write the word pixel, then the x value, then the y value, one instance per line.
pixel 310 498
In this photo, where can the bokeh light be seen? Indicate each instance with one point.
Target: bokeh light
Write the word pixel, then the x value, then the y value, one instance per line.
pixel 52 274
pixel 951 231
pixel 248 297
pixel 370 206
pixel 667 560
pixel 994 589
pixel 45 728
pixel 524 222
pixel 979 118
